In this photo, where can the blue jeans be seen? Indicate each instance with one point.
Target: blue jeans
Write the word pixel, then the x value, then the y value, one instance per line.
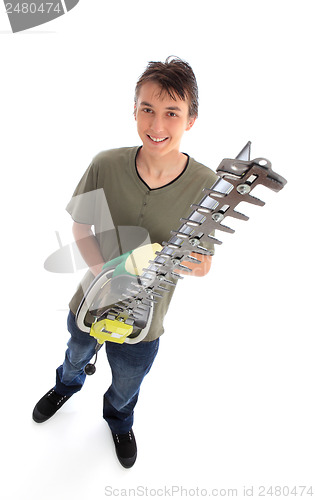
pixel 129 364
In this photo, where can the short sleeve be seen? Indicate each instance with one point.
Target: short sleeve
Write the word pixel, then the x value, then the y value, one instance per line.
pixel 82 205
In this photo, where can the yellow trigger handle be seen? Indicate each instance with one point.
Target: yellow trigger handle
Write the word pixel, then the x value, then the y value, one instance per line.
pixel 109 329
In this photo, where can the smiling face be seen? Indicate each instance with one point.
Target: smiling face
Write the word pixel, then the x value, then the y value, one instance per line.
pixel 161 120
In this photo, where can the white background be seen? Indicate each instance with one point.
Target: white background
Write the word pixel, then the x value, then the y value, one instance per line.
pixel 229 400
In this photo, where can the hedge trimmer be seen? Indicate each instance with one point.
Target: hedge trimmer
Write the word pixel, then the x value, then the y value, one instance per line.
pixel 121 298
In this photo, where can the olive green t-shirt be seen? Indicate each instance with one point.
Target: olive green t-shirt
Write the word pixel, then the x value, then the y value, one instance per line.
pixel 125 212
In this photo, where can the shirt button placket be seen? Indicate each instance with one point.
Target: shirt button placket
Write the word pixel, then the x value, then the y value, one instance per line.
pixel 144 204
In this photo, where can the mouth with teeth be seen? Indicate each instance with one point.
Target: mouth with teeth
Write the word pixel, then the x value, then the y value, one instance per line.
pixel 157 139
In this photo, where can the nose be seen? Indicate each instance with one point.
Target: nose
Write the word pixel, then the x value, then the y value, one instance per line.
pixel 157 123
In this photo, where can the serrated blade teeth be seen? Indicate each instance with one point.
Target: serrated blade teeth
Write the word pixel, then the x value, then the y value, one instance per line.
pixel 214 240
pixel 254 201
pixel 238 215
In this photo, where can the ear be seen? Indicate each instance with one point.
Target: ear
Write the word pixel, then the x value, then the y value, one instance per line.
pixel 190 123
pixel 135 111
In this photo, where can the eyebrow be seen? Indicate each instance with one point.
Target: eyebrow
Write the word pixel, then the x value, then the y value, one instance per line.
pixel 174 108
pixel 169 108
pixel 144 103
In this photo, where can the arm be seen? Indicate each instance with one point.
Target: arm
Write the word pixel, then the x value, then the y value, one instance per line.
pixel 90 251
pixel 88 246
pixel 197 269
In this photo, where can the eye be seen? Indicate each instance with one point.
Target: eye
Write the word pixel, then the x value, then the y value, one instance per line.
pixel 147 110
pixel 171 114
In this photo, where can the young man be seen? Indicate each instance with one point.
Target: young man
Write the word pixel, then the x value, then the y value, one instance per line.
pixel 151 187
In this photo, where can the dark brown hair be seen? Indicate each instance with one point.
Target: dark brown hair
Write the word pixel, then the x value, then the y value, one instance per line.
pixel 175 77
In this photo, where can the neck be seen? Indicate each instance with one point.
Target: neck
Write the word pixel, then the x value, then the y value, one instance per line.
pixel 156 165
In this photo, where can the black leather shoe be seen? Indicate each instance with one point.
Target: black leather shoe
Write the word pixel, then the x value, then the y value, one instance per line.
pixel 48 405
pixel 126 448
